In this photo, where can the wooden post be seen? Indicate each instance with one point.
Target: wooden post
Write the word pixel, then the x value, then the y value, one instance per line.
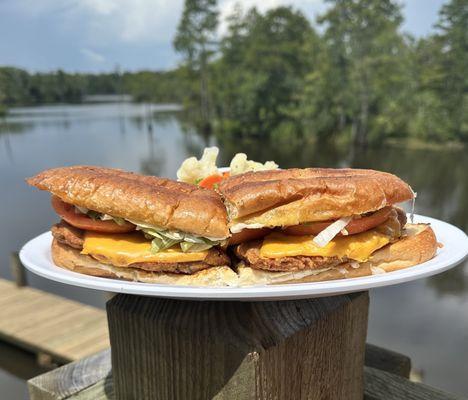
pixel 91 379
pixel 17 269
pixel 301 349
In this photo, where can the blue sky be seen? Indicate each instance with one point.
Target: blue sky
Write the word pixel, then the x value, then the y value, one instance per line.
pixel 97 35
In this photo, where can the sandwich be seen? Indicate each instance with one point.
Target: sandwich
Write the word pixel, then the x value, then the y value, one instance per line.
pixel 316 224
pixel 123 225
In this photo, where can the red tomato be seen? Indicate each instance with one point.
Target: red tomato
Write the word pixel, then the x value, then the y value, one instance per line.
pixel 210 181
pixel 82 221
pixel 248 234
pixel 355 226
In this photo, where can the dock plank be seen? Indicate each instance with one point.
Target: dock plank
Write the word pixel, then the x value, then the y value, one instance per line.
pixel 48 324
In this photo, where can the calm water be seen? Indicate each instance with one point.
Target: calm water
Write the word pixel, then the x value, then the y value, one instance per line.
pixel 427 319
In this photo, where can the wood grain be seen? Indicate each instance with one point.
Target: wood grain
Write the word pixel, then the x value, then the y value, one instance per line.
pixel 17 269
pixel 72 379
pixel 381 385
pixel 387 360
pixel 44 323
pixel 304 349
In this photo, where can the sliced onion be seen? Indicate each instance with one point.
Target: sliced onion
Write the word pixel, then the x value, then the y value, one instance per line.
pixel 81 210
pixel 327 235
pixel 413 201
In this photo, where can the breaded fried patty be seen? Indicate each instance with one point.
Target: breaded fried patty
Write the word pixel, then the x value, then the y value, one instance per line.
pixel 250 252
pixel 73 237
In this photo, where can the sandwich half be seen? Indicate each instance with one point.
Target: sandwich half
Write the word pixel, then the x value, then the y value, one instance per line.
pixel 134 227
pixel 315 224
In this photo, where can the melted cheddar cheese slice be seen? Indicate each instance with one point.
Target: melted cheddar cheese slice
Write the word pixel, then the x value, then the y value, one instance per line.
pixel 357 247
pixel 122 249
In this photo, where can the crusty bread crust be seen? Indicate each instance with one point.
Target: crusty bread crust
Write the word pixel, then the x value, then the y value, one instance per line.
pixel 294 196
pixel 155 201
pixel 418 246
pixel 69 258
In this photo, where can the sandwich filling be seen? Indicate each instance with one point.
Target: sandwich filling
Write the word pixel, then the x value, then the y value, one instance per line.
pixel 133 250
pixel 283 251
pixel 159 238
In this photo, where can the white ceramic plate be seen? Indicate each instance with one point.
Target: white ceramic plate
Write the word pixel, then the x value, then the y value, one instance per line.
pixel 36 256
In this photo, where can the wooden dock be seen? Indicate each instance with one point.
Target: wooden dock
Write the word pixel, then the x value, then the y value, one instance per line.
pixel 58 330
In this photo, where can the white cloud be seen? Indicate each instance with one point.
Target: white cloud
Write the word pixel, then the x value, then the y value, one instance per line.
pixel 132 21
pixel 93 56
pixel 136 21
pixel 102 7
pixel 308 7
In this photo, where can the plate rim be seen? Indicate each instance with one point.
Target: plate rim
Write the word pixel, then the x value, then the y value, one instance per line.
pixel 255 292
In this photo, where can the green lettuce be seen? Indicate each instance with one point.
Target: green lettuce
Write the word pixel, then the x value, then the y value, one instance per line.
pixel 162 239
pixel 97 215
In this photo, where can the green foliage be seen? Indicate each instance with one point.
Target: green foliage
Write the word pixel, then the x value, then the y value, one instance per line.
pixel 196 30
pixel 263 61
pixel 362 77
pixel 273 76
pixel 18 87
pixel 453 65
pixel 195 40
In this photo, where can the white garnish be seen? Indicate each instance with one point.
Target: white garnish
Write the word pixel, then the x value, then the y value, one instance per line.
pixel 327 235
pixel 413 201
pixel 240 164
pixel 354 264
pixel 193 170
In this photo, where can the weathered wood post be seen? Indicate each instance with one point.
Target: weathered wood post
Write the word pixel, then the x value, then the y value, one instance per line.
pixel 298 349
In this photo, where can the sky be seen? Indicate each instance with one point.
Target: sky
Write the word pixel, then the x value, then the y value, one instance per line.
pixel 98 35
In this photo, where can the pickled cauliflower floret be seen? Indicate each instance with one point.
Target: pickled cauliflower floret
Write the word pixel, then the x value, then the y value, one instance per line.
pixel 240 164
pixel 193 170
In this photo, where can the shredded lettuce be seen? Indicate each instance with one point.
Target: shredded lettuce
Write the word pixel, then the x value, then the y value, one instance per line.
pixel 162 239
pixel 97 215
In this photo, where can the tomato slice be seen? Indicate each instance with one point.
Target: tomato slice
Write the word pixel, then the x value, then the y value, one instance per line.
pixel 357 225
pixel 248 234
pixel 210 181
pixel 82 221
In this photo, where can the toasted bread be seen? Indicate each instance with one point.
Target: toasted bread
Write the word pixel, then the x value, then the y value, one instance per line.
pixel 155 201
pixel 294 196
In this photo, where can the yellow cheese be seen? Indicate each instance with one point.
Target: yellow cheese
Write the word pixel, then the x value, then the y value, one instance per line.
pixel 123 249
pixel 357 247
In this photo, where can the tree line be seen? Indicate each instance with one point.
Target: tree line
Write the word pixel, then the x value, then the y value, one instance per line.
pixel 351 74
pixel 19 87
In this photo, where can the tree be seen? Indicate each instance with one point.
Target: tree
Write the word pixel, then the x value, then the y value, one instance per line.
pixel 453 44
pixel 262 64
pixel 363 65
pixel 195 39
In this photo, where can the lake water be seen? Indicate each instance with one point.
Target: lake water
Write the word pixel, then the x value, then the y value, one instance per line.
pixel 427 319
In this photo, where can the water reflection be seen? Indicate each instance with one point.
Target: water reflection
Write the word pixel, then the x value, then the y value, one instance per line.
pixel 152 164
pixel 155 139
